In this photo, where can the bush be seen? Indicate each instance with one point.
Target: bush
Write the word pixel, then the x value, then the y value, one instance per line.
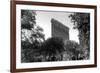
pixel 72 49
pixel 52 47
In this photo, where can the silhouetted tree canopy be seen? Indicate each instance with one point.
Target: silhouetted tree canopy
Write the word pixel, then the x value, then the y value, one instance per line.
pixel 72 47
pixel 53 45
pixel 31 36
pixel 81 22
pixel 28 19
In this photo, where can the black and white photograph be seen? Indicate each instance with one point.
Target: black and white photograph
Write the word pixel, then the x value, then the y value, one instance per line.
pixel 50 36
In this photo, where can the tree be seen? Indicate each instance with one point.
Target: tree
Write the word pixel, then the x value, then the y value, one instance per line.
pixel 82 23
pixel 31 35
pixel 52 47
pixel 72 49
pixel 28 19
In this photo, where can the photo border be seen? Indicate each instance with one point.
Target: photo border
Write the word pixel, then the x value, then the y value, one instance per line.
pixel 13 35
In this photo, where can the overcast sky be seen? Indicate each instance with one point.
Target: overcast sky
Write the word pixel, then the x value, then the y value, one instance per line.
pixel 43 19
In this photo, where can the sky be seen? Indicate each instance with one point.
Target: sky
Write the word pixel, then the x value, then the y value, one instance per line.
pixel 43 19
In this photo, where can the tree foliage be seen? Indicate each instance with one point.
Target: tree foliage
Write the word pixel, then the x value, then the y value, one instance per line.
pixel 52 47
pixel 31 35
pixel 27 19
pixel 81 22
pixel 72 49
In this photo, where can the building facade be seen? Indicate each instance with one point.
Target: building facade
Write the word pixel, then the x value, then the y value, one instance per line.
pixel 59 30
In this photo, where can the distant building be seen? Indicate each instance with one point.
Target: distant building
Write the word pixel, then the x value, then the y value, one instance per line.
pixel 59 30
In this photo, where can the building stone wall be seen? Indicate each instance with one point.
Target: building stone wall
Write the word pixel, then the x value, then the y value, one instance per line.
pixel 59 30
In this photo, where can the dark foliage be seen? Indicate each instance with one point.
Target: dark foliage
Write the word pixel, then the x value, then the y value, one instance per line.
pixel 31 37
pixel 27 19
pixel 52 47
pixel 81 22
pixel 72 48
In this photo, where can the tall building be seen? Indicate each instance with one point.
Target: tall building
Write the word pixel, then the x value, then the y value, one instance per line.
pixel 59 30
